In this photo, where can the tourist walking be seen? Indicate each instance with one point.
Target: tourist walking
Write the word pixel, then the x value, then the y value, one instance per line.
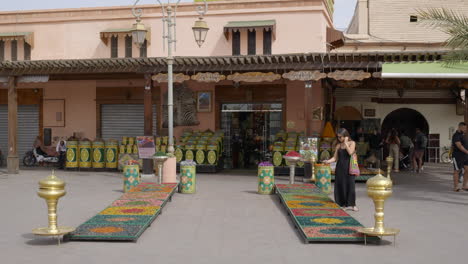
pixel 345 191
pixel 376 144
pixel 393 143
pixel 420 145
pixel 460 157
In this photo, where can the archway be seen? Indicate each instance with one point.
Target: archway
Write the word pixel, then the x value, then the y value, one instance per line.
pixel 348 117
pixel 405 119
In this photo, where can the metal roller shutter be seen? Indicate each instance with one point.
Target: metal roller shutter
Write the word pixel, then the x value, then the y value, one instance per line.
pixel 119 120
pixel 28 128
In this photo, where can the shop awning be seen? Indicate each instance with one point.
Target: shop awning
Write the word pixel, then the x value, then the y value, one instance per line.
pixel 424 70
pixel 254 24
pixel 115 32
pixel 27 36
pixel 335 38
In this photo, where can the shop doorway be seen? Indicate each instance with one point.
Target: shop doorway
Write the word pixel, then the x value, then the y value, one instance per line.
pixel 405 119
pixel 249 130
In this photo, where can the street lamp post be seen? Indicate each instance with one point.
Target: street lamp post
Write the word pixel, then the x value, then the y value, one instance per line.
pixel 169 13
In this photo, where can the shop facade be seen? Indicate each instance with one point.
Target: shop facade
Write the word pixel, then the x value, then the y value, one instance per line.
pixel 433 101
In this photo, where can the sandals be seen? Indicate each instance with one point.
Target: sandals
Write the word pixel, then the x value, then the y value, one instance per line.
pixel 458 189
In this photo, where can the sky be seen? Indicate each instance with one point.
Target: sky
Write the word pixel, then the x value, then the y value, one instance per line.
pixel 344 9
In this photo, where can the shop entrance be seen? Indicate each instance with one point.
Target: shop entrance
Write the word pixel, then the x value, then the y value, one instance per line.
pixel 405 119
pixel 249 130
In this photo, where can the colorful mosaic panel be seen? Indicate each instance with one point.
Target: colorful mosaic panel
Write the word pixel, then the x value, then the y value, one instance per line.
pixel 318 212
pixel 130 210
pixel 119 219
pixel 312 204
pixel 128 217
pixel 326 221
pixel 316 216
pixel 145 195
pixel 140 202
pixel 109 231
pixel 324 233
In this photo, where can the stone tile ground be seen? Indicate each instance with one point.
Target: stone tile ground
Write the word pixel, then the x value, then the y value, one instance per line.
pixel 227 222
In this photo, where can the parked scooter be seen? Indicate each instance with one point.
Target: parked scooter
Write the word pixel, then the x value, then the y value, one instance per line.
pixel 32 158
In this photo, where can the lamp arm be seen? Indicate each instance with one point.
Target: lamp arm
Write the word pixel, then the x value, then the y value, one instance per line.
pixel 137 12
pixel 201 10
pixel 175 26
pixel 163 11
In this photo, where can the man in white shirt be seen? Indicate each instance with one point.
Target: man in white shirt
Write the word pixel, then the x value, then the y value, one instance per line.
pixel 61 150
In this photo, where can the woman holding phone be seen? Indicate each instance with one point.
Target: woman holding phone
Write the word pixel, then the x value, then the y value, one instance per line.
pixel 345 192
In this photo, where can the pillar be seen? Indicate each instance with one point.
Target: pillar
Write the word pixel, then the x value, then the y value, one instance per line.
pixel 315 107
pixel 148 126
pixel 12 160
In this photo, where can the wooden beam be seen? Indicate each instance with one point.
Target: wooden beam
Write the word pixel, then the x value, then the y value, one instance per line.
pixel 414 100
pixel 13 160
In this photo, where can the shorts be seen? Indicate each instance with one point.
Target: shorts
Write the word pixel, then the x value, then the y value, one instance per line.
pixel 459 162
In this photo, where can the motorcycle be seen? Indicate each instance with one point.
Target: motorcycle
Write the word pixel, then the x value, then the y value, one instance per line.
pixel 32 157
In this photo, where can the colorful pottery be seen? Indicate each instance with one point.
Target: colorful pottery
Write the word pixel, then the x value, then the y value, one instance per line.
pixel 189 155
pixel 188 179
pixel 179 155
pixel 129 149
pixel 98 155
pixel 200 157
pixel 277 158
pixel 72 159
pixel 323 177
pixel 85 154
pixel 111 154
pixel 212 157
pixel 266 179
pixel 131 177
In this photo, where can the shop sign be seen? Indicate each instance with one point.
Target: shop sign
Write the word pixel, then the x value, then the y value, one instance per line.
pixel 177 78
pixel 254 77
pixel 349 75
pixel 146 147
pixel 208 77
pixel 304 75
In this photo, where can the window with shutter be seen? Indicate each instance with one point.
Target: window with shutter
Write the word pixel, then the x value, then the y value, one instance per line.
pixel 14 50
pixel 27 51
pixel 252 42
pixel 128 46
pixel 114 47
pixel 236 43
pixel 144 50
pixel 266 42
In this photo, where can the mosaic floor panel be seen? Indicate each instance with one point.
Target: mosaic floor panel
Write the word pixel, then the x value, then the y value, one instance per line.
pixel 127 217
pixel 316 216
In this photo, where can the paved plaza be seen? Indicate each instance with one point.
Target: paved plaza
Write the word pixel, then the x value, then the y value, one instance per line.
pixel 228 222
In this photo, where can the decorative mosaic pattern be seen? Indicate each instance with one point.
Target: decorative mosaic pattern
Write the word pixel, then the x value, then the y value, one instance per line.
pixel 317 217
pixel 129 216
pixel 133 210
pixel 142 202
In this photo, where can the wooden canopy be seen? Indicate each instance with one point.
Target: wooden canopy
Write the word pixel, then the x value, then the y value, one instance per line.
pixel 324 62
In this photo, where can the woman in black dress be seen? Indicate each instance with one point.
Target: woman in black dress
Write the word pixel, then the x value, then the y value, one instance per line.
pixel 345 192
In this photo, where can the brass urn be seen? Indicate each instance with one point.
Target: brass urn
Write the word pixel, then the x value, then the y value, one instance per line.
pixel 51 189
pixel 379 188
